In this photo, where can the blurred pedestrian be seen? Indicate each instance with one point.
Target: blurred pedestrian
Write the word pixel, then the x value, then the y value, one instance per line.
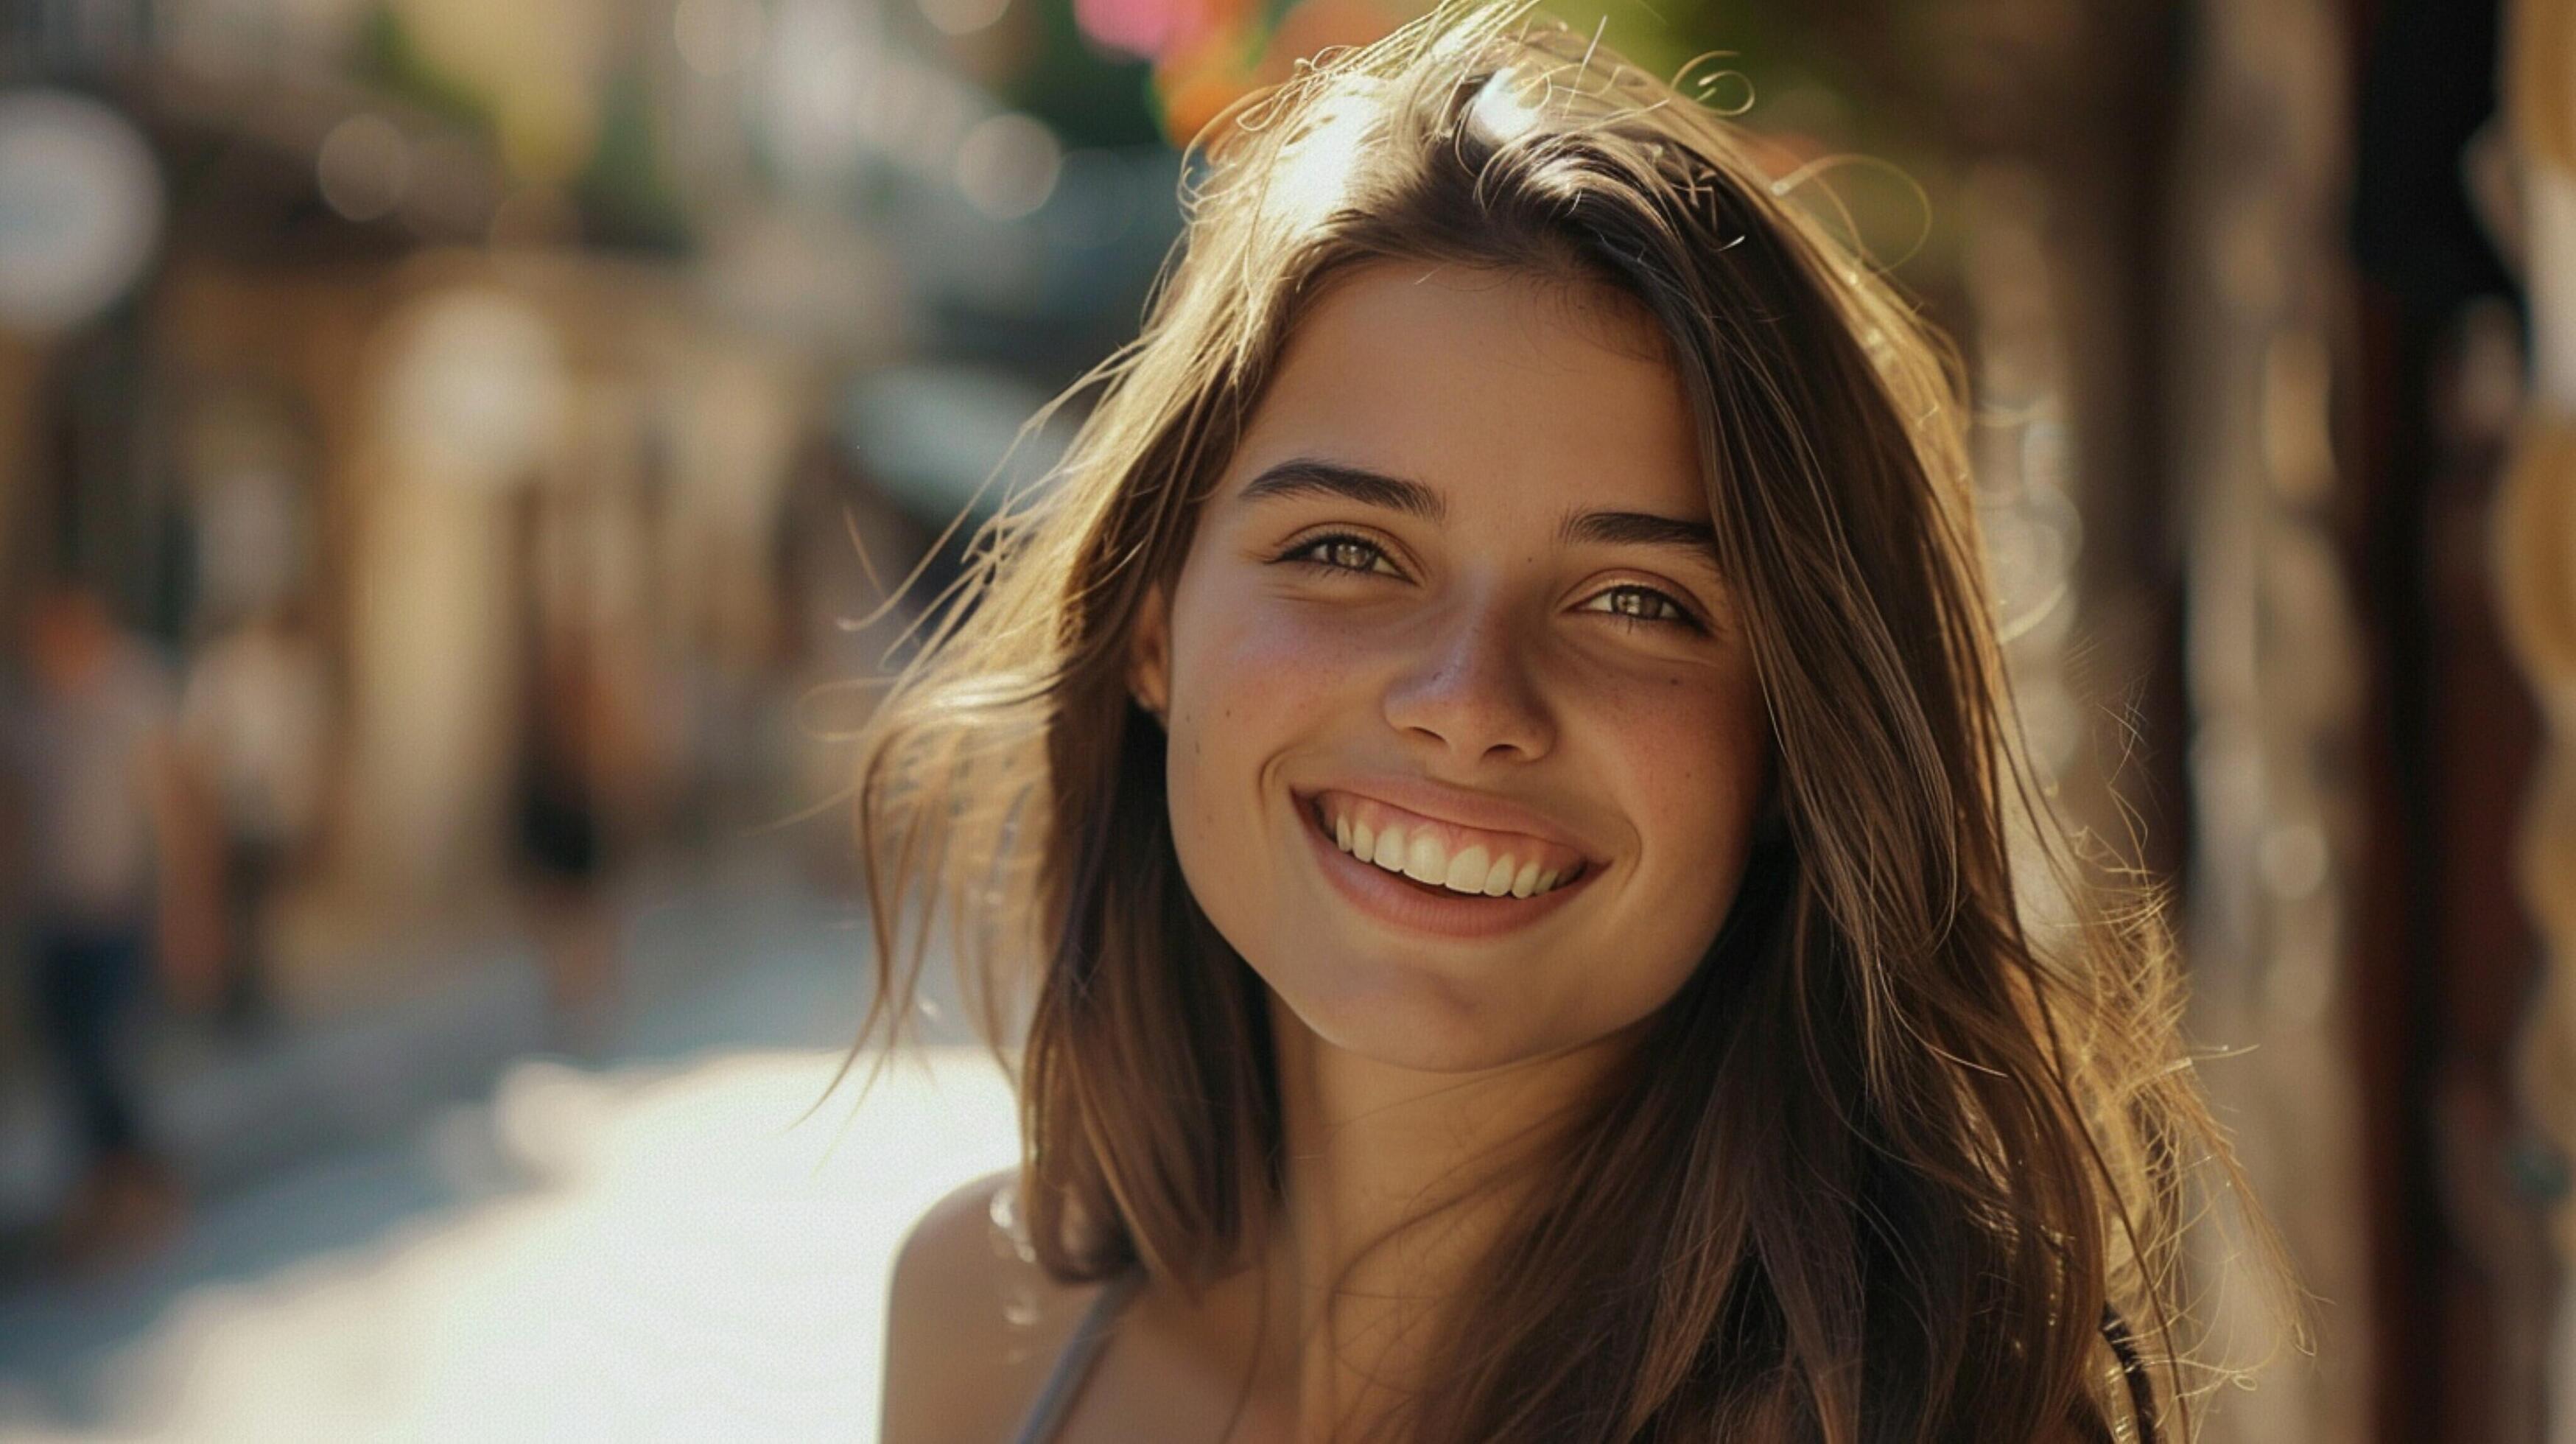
pixel 563 832
pixel 113 871
pixel 256 723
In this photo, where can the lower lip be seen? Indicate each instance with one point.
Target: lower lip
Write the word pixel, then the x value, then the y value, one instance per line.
pixel 1402 904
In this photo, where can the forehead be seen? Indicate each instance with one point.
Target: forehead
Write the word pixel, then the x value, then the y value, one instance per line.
pixel 1489 385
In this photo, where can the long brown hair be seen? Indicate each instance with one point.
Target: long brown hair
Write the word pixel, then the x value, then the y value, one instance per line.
pixel 1921 1116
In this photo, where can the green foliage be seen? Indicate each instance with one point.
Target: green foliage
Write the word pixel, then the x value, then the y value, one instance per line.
pixel 390 60
pixel 1091 98
pixel 625 193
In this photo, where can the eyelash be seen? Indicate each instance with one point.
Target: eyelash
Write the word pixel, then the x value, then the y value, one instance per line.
pixel 1297 553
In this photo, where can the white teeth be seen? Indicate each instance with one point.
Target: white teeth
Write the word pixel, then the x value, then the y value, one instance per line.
pixel 1466 871
pixel 1424 861
pixel 1421 857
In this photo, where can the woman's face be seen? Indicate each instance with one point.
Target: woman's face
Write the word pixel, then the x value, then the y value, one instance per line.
pixel 1453 606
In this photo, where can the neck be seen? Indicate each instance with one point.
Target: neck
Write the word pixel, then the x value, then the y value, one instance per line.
pixel 1396 1184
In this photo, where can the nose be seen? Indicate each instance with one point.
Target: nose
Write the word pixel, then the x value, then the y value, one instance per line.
pixel 1470 691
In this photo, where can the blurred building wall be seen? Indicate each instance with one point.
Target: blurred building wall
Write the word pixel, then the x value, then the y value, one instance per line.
pixel 2277 671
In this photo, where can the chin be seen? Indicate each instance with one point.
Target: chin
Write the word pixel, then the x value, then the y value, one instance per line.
pixel 1415 1019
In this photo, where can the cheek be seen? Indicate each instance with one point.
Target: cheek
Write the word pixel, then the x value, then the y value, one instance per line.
pixel 1686 758
pixel 1239 662
pixel 1696 766
pixel 1249 678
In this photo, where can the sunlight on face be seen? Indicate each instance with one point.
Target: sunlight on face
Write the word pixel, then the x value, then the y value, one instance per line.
pixel 1456 583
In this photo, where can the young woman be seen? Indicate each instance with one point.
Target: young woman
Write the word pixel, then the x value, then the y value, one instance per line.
pixel 1489 770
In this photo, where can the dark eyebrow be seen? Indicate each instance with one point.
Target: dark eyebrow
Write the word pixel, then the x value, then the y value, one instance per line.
pixel 1640 528
pixel 1305 476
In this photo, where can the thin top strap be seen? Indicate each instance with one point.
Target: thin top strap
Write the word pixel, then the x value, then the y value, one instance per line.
pixel 1054 1402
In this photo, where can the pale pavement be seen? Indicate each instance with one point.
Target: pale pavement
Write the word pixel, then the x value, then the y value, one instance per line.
pixel 649 1247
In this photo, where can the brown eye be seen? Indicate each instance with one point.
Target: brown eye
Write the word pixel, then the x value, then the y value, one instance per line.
pixel 1643 606
pixel 1338 551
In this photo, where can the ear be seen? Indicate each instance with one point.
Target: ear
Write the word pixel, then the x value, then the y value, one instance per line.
pixel 1771 814
pixel 1149 654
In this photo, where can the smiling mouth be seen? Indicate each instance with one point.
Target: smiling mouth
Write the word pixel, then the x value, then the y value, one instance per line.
pixel 1441 860
pixel 1406 899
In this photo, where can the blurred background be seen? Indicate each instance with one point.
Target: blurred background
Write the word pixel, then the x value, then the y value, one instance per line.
pixel 455 455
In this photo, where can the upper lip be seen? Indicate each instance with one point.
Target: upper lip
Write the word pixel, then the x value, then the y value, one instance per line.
pixel 1443 803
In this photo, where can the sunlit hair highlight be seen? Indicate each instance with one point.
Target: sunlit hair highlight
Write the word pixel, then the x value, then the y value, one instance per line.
pixel 1922 1114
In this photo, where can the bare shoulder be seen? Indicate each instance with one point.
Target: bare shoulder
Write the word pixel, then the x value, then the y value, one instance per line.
pixel 972 1327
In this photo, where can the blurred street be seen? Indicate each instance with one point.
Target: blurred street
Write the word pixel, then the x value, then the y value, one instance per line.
pixel 642 1243
pixel 469 467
